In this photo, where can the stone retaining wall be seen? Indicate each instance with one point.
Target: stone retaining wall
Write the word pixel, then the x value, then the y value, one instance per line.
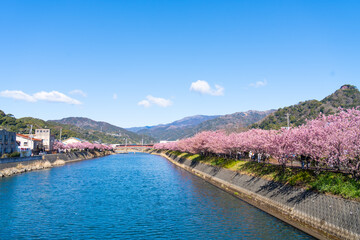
pixel 19 159
pixel 50 158
pixel 12 164
pixel 320 215
pixel 71 156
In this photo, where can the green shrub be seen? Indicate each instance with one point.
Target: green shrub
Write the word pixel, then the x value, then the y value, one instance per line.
pixel 14 154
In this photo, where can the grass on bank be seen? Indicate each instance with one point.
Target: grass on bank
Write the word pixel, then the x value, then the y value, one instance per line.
pixel 340 184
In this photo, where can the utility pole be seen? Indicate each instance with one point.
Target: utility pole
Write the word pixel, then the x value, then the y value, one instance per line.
pixel 31 136
pixel 288 120
pixel 60 134
pixel 30 131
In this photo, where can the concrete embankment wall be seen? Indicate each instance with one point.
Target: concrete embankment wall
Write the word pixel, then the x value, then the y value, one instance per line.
pixel 73 156
pixel 19 159
pixel 19 165
pixel 13 162
pixel 320 215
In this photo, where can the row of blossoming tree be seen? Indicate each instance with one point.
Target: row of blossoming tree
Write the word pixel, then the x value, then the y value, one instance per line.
pixel 81 146
pixel 331 141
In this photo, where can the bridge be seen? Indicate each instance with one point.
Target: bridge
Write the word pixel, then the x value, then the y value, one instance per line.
pixel 132 148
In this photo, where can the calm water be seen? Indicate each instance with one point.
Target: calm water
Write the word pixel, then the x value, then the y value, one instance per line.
pixel 134 196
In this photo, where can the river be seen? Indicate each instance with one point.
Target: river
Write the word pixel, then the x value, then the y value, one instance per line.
pixel 130 196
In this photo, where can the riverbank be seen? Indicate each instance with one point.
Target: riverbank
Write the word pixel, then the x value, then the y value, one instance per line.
pixel 47 161
pixel 329 182
pixel 320 215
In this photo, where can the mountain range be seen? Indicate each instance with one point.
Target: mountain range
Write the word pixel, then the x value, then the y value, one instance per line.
pixel 187 121
pixel 189 126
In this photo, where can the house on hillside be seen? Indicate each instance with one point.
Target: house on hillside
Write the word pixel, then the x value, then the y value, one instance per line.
pixel 165 141
pixel 7 142
pixel 48 139
pixel 73 140
pixel 28 144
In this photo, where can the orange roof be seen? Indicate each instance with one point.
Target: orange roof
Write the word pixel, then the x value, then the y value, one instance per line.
pixel 27 137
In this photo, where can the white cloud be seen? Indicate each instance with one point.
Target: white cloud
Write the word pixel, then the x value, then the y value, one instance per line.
pixel 18 95
pixel 115 96
pixel 203 87
pixel 162 102
pixel 78 92
pixel 53 96
pixel 150 100
pixel 259 84
pixel 144 103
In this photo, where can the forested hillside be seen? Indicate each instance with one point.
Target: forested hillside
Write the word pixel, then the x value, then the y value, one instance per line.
pixel 22 125
pixel 89 125
pixel 347 96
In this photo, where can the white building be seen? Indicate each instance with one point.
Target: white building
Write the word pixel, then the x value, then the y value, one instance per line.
pixel 28 145
pixel 45 135
pixel 72 140
pixel 164 141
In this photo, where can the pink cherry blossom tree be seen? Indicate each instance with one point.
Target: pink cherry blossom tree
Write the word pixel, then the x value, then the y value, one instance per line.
pixel 331 141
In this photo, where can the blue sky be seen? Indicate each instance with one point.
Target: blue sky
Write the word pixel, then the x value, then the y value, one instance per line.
pixel 135 63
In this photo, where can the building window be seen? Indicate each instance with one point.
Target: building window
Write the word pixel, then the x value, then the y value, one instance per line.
pixel 25 143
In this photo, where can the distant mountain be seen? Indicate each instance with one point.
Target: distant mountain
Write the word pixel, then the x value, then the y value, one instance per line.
pixel 189 126
pixel 347 96
pixel 184 122
pixel 105 128
pixel 88 123
pixel 136 129
pixel 174 130
pixel 233 122
pixel 193 120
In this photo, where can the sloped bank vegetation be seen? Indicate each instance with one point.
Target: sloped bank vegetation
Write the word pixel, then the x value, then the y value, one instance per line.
pixel 334 183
